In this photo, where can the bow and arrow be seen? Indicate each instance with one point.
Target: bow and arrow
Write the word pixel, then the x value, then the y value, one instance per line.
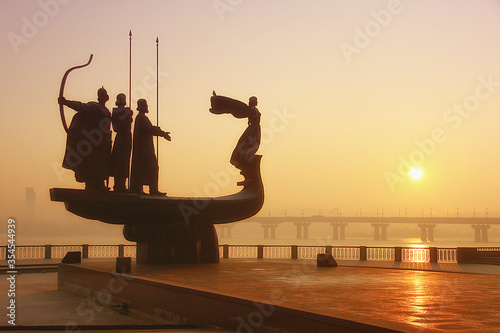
pixel 63 83
pixel 61 91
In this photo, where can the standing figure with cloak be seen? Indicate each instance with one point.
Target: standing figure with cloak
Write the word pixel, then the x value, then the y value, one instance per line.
pixel 120 156
pixel 244 153
pixel 88 144
pixel 249 142
pixel 144 170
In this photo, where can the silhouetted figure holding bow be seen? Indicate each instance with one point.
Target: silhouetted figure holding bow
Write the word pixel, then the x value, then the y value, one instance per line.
pixel 88 145
pixel 120 156
pixel 144 170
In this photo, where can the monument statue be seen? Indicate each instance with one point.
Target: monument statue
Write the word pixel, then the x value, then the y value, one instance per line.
pixel 144 162
pixel 249 142
pixel 120 156
pixel 177 229
pixel 88 144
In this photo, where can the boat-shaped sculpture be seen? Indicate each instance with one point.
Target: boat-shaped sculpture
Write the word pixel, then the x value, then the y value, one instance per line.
pixel 131 208
pixel 172 229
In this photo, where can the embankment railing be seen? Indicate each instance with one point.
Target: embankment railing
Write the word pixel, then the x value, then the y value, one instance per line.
pixel 397 254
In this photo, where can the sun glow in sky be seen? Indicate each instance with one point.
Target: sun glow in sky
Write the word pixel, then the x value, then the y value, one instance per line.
pixel 352 94
pixel 416 173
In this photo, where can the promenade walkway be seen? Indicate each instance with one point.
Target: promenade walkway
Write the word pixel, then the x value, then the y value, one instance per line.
pixel 408 297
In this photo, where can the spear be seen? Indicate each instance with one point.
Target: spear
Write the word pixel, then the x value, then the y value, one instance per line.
pixel 157 101
pixel 130 80
pixel 130 70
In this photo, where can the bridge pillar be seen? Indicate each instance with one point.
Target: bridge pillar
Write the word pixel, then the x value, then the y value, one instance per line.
pixel 228 230
pixel 338 230
pixel 480 232
pixel 430 232
pixel 484 233
pixel 383 227
pixel 380 231
pixel 302 230
pixel 477 232
pixel 269 230
pixel 335 230
pixel 426 232
pixel 342 230
pixel 423 232
pixel 376 233
pixel 224 230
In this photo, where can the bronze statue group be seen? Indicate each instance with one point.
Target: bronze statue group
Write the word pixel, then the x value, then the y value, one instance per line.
pixel 93 158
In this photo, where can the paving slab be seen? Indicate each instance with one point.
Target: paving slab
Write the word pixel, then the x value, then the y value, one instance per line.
pixel 38 302
pixel 41 307
pixel 399 299
pixel 409 297
pixel 451 267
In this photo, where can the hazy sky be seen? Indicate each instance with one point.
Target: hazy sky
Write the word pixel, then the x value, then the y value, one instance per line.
pixel 351 94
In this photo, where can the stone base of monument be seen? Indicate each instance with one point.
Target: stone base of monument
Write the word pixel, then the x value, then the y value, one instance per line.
pixel 174 243
pixel 237 296
pixel 74 257
pixel 123 264
pixel 325 260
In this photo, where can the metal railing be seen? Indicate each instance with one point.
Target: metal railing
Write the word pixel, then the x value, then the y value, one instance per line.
pixel 29 252
pixel 103 251
pixel 129 251
pixel 345 253
pixel 242 251
pixel 380 253
pixel 277 252
pixel 415 255
pixel 447 255
pixel 488 249
pixel 398 254
pixel 59 251
pixel 401 254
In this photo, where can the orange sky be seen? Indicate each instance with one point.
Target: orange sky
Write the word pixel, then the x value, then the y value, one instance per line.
pixel 350 93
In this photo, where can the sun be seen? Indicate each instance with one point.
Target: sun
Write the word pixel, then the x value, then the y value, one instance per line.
pixel 416 173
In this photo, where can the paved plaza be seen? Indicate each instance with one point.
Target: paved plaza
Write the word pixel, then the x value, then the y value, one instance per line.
pixel 406 297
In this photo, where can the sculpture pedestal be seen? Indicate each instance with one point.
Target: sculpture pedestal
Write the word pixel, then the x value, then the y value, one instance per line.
pixel 174 243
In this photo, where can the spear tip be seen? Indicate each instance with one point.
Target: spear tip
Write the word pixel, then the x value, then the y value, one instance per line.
pixel 130 33
pixel 157 40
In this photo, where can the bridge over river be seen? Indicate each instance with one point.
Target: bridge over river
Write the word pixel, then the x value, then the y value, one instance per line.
pixel 479 225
